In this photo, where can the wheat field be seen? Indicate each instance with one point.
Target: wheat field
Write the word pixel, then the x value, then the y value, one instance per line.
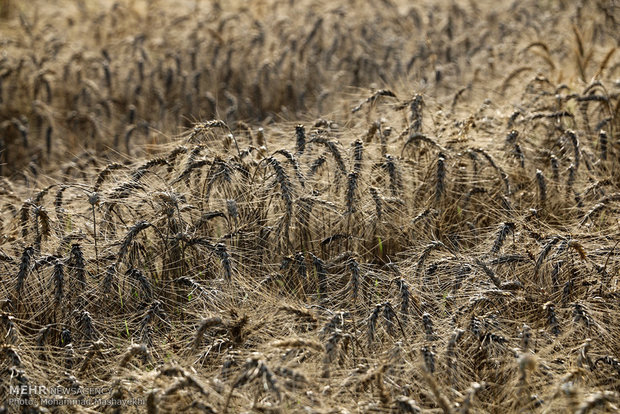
pixel 306 206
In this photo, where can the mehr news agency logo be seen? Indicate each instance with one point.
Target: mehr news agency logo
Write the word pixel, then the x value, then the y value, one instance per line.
pixel 31 395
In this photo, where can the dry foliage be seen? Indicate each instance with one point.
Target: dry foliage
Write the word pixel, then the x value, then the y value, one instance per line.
pixel 318 207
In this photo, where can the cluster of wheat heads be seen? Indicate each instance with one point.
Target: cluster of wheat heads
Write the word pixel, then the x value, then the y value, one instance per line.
pixel 107 77
pixel 437 248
